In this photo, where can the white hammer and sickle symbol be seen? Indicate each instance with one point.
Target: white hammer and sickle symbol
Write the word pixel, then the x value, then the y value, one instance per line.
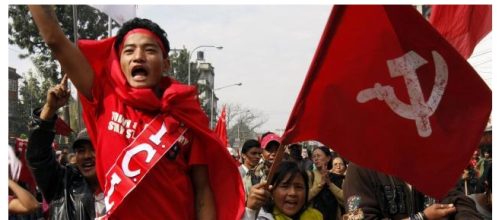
pixel 418 109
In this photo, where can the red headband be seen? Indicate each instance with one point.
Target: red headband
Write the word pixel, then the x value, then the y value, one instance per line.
pixel 145 32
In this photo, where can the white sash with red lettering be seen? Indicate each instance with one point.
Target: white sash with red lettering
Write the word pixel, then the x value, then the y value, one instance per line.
pixel 136 160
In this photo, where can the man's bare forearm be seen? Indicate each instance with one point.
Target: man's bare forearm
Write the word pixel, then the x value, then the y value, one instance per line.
pixel 69 56
pixel 204 200
pixel 47 24
pixel 47 112
pixel 205 206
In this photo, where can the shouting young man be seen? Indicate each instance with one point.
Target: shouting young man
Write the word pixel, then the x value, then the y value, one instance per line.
pixel 156 157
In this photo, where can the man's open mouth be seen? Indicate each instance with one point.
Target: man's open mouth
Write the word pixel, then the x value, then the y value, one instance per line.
pixel 139 73
pixel 87 165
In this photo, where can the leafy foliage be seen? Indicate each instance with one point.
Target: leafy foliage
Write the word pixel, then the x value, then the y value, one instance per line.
pixel 179 67
pixel 91 24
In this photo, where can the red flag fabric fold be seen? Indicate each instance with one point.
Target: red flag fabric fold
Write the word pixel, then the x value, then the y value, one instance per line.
pixel 388 92
pixel 462 25
pixel 62 128
pixel 221 127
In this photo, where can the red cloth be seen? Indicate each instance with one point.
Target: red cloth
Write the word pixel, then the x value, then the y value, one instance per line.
pixel 473 163
pixel 221 127
pixel 25 175
pixel 356 52
pixel 62 128
pixel 462 25
pixel 118 112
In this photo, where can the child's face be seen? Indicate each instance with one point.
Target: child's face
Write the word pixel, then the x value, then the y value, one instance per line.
pixel 141 61
pixel 289 198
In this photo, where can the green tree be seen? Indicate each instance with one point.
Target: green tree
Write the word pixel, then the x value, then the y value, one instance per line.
pixel 179 71
pixel 75 122
pixel 48 68
pixel 179 67
pixel 91 24
pixel 31 98
pixel 31 94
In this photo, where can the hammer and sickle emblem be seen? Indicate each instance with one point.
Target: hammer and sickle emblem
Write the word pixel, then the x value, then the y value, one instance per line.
pixel 418 109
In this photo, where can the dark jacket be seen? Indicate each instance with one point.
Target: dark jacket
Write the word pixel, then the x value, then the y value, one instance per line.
pixel 326 202
pixel 66 190
pixel 386 197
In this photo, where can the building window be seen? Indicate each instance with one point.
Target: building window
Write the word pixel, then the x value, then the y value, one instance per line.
pixel 12 85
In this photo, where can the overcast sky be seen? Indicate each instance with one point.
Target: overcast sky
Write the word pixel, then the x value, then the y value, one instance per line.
pixel 267 48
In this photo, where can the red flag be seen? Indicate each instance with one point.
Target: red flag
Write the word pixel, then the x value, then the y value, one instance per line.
pixel 221 127
pixel 462 25
pixel 388 92
pixel 62 128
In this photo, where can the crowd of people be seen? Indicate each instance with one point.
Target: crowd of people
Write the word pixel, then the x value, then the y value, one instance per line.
pixel 322 186
pixel 336 189
pixel 190 174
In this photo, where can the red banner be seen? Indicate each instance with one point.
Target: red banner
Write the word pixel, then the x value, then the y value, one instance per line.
pixel 221 127
pixel 388 92
pixel 462 25
pixel 131 166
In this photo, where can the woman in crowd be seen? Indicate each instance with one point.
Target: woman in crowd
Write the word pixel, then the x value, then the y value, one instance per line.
pixel 285 199
pixel 339 167
pixel 325 192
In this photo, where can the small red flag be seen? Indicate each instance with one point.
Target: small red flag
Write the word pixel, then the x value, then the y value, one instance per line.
pixel 462 25
pixel 221 127
pixel 62 128
pixel 388 92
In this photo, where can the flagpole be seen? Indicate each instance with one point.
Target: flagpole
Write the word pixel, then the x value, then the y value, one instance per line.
pixel 277 160
pixel 75 37
pixel 465 187
pixel 109 26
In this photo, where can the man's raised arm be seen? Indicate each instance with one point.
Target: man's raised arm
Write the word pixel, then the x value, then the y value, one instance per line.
pixel 69 56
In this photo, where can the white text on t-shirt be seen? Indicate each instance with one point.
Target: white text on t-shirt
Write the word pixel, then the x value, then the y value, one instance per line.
pixel 119 124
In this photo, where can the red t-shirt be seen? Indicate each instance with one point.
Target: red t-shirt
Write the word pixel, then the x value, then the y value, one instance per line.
pixel 166 192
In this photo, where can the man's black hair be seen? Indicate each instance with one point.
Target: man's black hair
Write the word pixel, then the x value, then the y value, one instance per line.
pixel 80 144
pixel 142 23
pixel 249 144
pixel 284 169
pixel 295 152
